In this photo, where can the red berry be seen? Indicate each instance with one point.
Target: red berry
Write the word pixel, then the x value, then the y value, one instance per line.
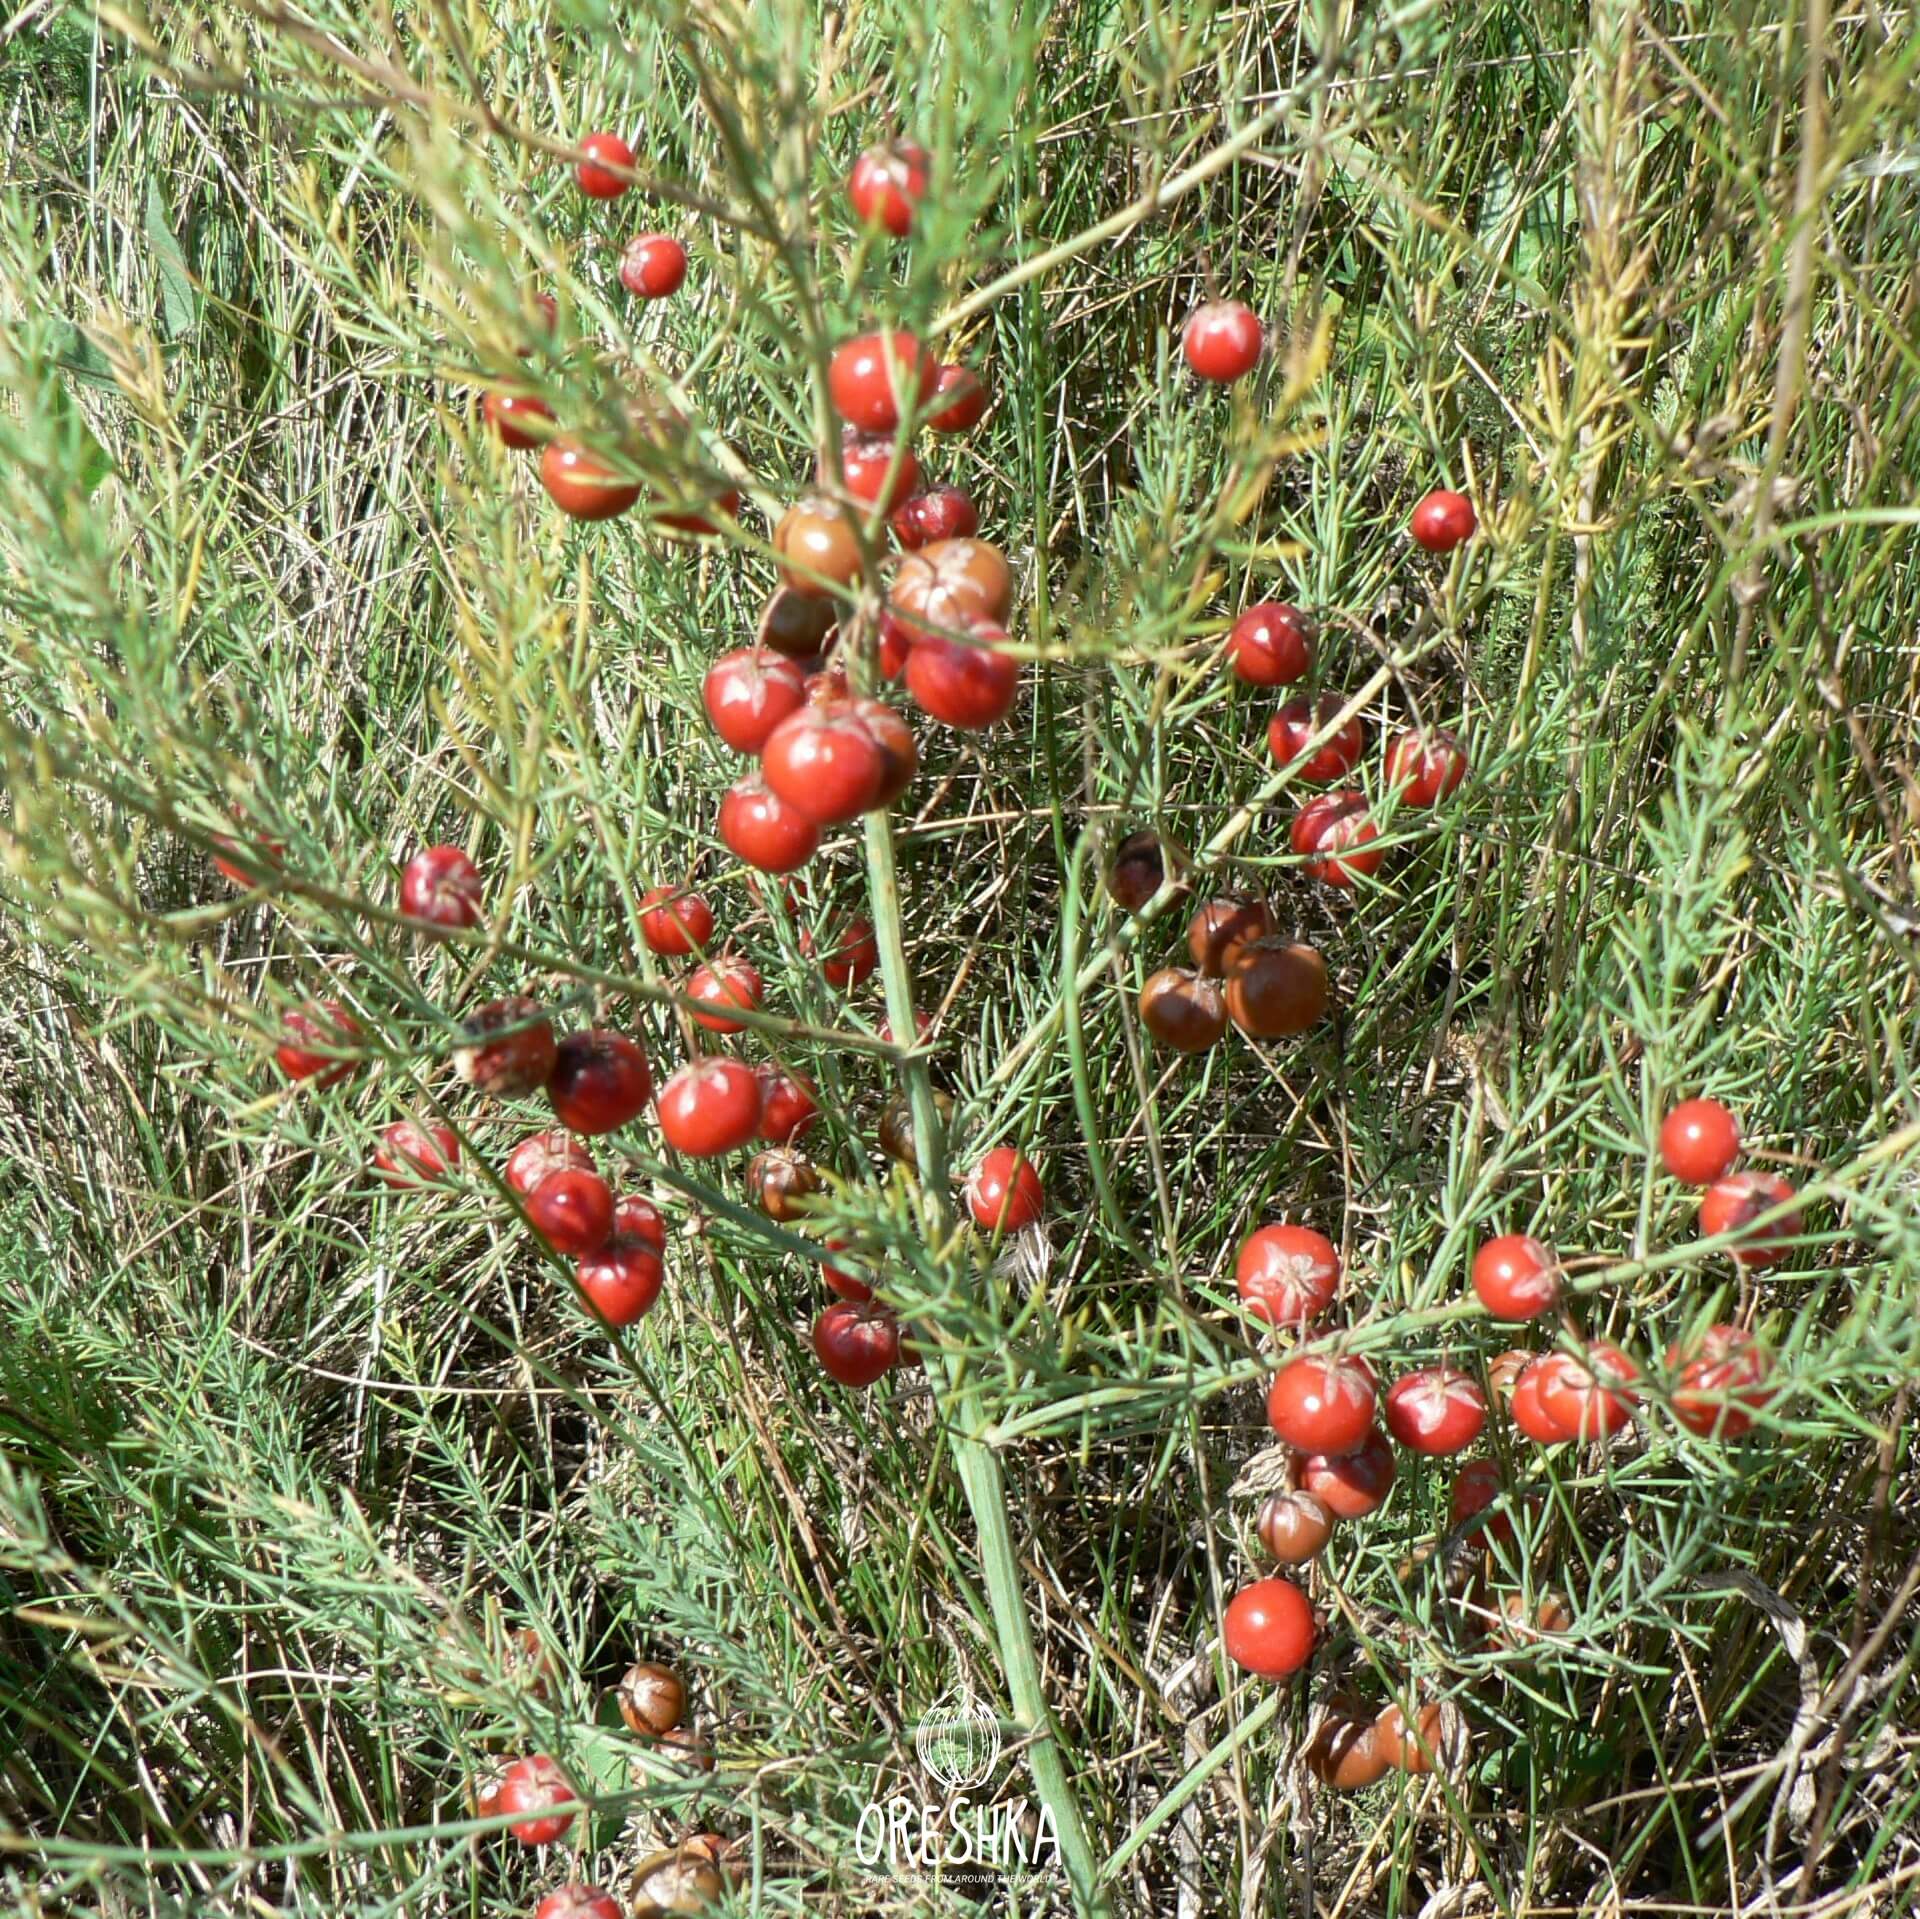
pixel 605 174
pixel 579 1902
pixel 1268 1628
pixel 1334 834
pixel 887 182
pixel 535 1788
pixel 856 1342
pixel 637 1217
pixel 1435 1410
pixel 899 751
pixel 1516 1277
pixel 721 984
pixel 1423 768
pixel 747 693
pixel 571 1210
pixel 940 513
pixel 582 483
pixel 1322 1404
pixel 1222 340
pixel 1735 1200
pixel 621 1278
pixel 1004 1193
pixel 710 1107
pixel 1476 1487
pixel 246 866
pixel 542 1153
pixel 653 266
pixel 846 1284
pixel 1351 1485
pixel 505 412
pixel 962 394
pixel 1587 1398
pixel 506 1048
pixel 599 1081
pixel 1528 1404
pixel 411 1155
pixel 1271 644
pixel 787 1104
pixel 825 763
pixel 312 1038
pixel 851 955
pixel 963 682
pixel 872 376
pixel 1290 729
pixel 1287 1275
pixel 674 922
pixel 1699 1140
pixel 876 470
pixel 763 830
pixel 1721 1381
pixel 1442 520
pixel 442 887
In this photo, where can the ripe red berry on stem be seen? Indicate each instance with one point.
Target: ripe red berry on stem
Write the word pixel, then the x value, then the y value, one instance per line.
pixel 940 513
pixel 1268 1628
pixel 1732 1204
pixel 1322 1403
pixel 850 952
pixel 539 1154
pixel 605 174
pixel 312 1038
pixel 571 1210
pixel 875 469
pixel 1287 1275
pixel 599 1081
pixel 763 830
pixel 506 1048
pixel 1004 1193
pixel 441 886
pixel 653 266
pixel 521 420
pixel 887 182
pixel 843 1281
pixel 1423 768
pixel 674 922
pixel 1298 721
pixel 1699 1140
pixel 1720 1381
pixel 824 762
pixel 966 683
pixel 723 986
pixel 1590 1398
pixel 856 1341
pixel 962 399
pixel 584 484
pixel 874 375
pixel 787 1104
pixel 747 693
pixel 578 1902
pixel 1334 834
pixel 1271 644
pixel 1442 520
pixel 1222 340
pixel 537 1789
pixel 621 1278
pixel 411 1155
pixel 1528 1404
pixel 710 1107
pixel 1435 1410
pixel 1516 1277
pixel 639 1218
pixel 1353 1484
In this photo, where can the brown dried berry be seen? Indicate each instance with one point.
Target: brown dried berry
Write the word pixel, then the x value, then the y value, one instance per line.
pixel 507 1048
pixel 652 1699
pixel 1182 1010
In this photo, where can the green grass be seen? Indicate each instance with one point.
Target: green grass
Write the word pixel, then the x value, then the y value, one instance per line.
pixel 286 1457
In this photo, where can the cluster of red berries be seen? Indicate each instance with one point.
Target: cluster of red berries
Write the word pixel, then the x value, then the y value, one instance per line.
pixel 687 1877
pixel 1323 1404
